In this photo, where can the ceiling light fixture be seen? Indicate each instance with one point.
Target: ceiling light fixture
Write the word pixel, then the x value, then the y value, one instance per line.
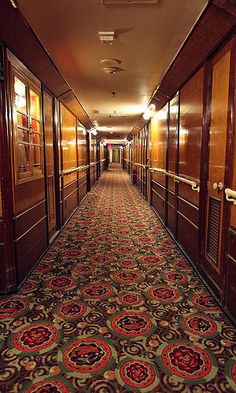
pixel 111 70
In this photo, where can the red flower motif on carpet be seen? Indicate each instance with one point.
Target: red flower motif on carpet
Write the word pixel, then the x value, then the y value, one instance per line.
pixel 127 276
pixel 163 293
pixel 137 372
pixel 151 259
pixel 36 336
pixel 132 323
pixel 130 298
pixel 86 354
pixel 97 291
pixel 199 324
pixel 186 359
pixel 60 282
pixel 71 309
pixel 204 301
pixel 11 307
pixel 49 388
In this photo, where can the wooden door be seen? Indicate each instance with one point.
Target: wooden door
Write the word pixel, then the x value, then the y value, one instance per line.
pixel 230 287
pixel 145 169
pixel 50 168
pixel 172 161
pixel 217 165
pixel 230 264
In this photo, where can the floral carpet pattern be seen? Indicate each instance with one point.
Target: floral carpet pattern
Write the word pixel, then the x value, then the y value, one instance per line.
pixel 115 307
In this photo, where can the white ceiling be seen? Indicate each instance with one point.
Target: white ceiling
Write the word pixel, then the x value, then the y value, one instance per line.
pixel 148 38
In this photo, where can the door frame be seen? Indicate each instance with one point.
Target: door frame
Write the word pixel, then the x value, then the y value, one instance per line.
pixel 210 272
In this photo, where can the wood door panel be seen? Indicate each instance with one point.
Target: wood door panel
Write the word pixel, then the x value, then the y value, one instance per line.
pixel 171 198
pixel 28 194
pixel 30 247
pixel 190 211
pixel 213 260
pixel 190 127
pixel 233 182
pixel 231 274
pixel 68 143
pixel 1 230
pixel 171 218
pixel 158 139
pixel 51 204
pixel 158 204
pixel 188 237
pixel 173 136
pixel 50 165
pixel 26 220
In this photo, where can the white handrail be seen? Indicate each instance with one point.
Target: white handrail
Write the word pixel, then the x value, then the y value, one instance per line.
pixel 230 195
pixel 72 170
pixel 141 165
pixel 195 186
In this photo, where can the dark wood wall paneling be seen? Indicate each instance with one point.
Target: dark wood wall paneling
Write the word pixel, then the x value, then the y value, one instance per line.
pixel 230 263
pixel 190 136
pixel 82 185
pixel 82 161
pixel 1 241
pixel 141 161
pixel 189 163
pixel 30 237
pixel 93 159
pixel 8 276
pixel 25 222
pixel 30 214
pixel 230 289
pixel 51 167
pixel 69 160
pixel 172 166
pixel 159 128
pixel 70 199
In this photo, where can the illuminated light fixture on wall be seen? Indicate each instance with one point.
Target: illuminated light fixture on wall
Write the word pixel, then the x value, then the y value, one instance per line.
pixel 13 3
pixel 149 112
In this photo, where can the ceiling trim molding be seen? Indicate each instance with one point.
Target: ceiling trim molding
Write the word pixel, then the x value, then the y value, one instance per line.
pixel 17 35
pixel 213 27
pixel 227 5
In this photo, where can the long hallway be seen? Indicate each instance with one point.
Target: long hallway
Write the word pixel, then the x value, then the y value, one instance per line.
pixel 115 307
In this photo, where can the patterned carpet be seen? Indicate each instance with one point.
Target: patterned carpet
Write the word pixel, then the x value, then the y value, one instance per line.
pixel 115 307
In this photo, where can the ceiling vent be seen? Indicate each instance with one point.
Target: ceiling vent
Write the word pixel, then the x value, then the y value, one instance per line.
pixel 136 2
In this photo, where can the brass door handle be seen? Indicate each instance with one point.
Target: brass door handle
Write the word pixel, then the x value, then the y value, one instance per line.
pixel 218 186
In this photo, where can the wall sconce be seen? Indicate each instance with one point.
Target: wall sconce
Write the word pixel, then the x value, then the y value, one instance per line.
pixel 149 112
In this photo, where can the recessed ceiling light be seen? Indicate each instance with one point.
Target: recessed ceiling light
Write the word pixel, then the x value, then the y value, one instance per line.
pixel 110 62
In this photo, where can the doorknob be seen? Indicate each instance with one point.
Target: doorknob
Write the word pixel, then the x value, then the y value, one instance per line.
pixel 218 186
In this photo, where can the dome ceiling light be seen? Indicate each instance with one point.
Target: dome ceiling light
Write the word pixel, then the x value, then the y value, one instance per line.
pixel 111 66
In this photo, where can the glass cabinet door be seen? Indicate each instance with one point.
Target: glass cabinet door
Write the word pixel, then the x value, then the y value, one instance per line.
pixel 28 136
